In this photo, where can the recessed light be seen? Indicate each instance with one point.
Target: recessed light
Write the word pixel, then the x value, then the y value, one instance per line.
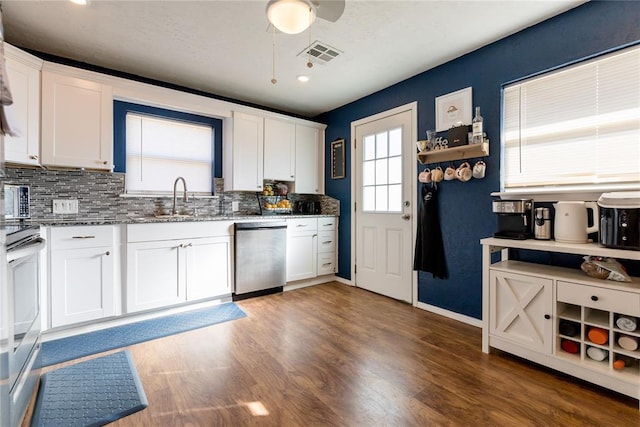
pixel 303 78
pixel 80 2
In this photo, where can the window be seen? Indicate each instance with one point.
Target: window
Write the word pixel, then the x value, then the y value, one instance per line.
pixel 154 146
pixel 382 172
pixel 575 128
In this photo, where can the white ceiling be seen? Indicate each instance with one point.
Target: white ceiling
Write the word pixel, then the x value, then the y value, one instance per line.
pixel 225 48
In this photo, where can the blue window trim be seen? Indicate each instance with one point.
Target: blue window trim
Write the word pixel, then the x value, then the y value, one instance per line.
pixel 120 110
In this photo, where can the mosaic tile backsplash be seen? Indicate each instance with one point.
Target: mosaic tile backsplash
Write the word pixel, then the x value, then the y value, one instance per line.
pixel 100 195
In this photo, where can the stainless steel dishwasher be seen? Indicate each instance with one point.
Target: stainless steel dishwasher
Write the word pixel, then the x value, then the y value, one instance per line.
pixel 260 258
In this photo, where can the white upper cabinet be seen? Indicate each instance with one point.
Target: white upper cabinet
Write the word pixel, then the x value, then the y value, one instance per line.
pixel 279 150
pixel 243 168
pixel 77 120
pixel 309 160
pixel 23 115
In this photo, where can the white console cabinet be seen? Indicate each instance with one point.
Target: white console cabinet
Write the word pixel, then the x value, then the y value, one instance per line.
pixel 525 304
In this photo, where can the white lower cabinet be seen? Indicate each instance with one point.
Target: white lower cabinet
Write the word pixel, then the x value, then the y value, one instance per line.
pixel 302 249
pixel 311 247
pixel 82 274
pixel 521 308
pixel 327 244
pixel 165 269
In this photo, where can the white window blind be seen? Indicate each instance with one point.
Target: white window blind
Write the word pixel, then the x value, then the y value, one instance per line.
pixel 576 128
pixel 159 150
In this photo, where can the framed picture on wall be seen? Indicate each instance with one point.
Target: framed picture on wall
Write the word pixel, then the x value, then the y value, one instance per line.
pixel 453 108
pixel 337 159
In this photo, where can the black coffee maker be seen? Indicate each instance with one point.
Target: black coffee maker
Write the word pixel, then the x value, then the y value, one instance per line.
pixel 515 218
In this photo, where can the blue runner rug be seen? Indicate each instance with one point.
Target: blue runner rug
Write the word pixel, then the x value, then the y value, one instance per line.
pixel 77 346
pixel 92 393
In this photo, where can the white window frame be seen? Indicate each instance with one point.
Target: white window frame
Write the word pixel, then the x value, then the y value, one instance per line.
pixel 517 110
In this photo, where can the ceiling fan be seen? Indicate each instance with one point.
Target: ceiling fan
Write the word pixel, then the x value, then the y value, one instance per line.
pixel 295 16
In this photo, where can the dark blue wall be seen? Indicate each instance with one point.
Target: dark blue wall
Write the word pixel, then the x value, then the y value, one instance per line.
pixel 465 208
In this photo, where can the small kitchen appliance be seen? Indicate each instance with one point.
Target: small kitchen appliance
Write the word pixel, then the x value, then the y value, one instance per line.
pixel 620 220
pixel 306 207
pixel 571 221
pixel 16 202
pixel 542 227
pixel 515 218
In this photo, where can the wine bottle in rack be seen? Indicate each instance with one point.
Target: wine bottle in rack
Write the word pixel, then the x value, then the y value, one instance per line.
pixel 597 354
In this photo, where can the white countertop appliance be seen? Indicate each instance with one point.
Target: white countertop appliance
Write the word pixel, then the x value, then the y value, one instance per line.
pixel 571 221
pixel 620 220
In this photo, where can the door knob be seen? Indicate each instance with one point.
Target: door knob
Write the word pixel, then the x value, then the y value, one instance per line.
pixel 406 217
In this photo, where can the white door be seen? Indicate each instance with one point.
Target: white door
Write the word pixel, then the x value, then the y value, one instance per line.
pixel 279 150
pixel 308 162
pixel 208 267
pixel 81 285
pixel 384 203
pixel 154 276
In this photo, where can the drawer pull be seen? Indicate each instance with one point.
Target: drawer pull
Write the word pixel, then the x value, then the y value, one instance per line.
pixel 546 316
pixel 327 242
pixel 326 264
pixel 594 298
pixel 328 224
pixel 301 225
pixel 83 237
pixel 107 253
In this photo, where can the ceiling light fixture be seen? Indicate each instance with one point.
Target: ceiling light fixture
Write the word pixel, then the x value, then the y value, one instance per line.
pixel 80 2
pixel 291 16
pixel 303 78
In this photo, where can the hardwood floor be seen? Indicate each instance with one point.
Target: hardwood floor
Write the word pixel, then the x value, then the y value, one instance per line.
pixel 334 355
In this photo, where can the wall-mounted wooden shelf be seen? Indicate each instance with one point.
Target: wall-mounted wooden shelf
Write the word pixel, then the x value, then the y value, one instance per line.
pixel 456 153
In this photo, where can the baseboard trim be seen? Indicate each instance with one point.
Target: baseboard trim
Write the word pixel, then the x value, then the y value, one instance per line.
pixel 343 281
pixel 450 314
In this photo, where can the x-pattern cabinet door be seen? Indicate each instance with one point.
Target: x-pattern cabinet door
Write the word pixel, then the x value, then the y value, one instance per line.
pixel 521 309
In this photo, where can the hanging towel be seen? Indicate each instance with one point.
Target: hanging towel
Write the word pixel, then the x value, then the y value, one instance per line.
pixel 429 253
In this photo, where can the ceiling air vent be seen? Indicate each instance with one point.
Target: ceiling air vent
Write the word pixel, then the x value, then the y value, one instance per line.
pixel 320 53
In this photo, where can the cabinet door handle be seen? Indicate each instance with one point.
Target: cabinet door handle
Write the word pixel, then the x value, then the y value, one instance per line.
pixel 327 242
pixel 107 253
pixel 33 157
pixel 328 224
pixel 326 264
pixel 546 316
pixel 83 237
pixel 594 298
pixel 301 225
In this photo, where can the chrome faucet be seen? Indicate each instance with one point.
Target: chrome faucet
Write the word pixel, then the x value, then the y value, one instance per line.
pixel 184 197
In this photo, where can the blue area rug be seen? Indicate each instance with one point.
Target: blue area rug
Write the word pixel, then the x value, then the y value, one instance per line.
pixel 91 393
pixel 77 346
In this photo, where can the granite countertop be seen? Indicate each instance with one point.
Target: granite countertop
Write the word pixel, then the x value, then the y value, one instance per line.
pixel 151 219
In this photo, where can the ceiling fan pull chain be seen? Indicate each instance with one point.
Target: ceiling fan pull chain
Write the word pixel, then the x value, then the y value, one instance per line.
pixel 273 77
pixel 309 63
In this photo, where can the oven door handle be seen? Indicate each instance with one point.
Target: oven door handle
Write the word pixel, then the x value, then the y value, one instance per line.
pixel 29 249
